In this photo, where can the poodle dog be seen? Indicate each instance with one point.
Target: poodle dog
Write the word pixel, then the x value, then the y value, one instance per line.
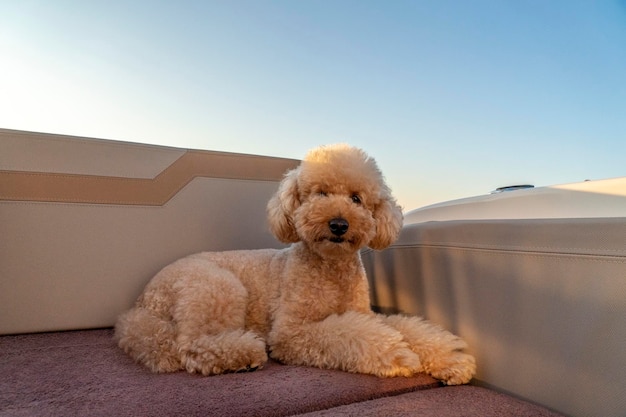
pixel 308 304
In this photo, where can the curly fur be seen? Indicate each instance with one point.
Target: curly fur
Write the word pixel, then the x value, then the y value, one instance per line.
pixel 308 304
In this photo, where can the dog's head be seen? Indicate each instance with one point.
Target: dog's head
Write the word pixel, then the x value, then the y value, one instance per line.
pixel 336 202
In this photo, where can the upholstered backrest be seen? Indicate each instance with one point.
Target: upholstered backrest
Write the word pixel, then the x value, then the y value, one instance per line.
pixel 541 302
pixel 85 223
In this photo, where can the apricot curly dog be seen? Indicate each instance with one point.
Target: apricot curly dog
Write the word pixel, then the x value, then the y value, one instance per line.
pixel 308 304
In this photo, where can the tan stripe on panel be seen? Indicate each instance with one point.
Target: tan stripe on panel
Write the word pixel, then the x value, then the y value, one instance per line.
pixel 71 188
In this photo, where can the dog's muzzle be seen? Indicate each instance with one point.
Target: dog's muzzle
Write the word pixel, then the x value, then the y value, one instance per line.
pixel 338 227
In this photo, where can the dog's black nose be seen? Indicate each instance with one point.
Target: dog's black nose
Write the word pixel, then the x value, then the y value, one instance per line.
pixel 338 226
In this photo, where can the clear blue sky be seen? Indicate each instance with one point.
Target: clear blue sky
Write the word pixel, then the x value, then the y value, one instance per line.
pixel 453 98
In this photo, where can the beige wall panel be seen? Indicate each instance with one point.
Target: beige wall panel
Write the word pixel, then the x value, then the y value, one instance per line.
pixel 41 152
pixel 85 223
pixel 73 266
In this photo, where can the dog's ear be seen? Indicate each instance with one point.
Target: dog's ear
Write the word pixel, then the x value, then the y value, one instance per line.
pixel 388 217
pixel 281 206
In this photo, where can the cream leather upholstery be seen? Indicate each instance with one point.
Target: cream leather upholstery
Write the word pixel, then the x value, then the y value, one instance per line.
pixel 542 303
pixel 85 223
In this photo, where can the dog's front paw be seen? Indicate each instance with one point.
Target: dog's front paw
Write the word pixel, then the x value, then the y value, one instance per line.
pixel 456 368
pixel 235 351
pixel 399 361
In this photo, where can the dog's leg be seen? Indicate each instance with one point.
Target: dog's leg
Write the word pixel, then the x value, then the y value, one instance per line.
pixel 148 339
pixel 210 315
pixel 438 350
pixel 353 342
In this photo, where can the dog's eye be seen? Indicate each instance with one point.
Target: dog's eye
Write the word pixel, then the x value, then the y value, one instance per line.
pixel 356 199
pixel 322 193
